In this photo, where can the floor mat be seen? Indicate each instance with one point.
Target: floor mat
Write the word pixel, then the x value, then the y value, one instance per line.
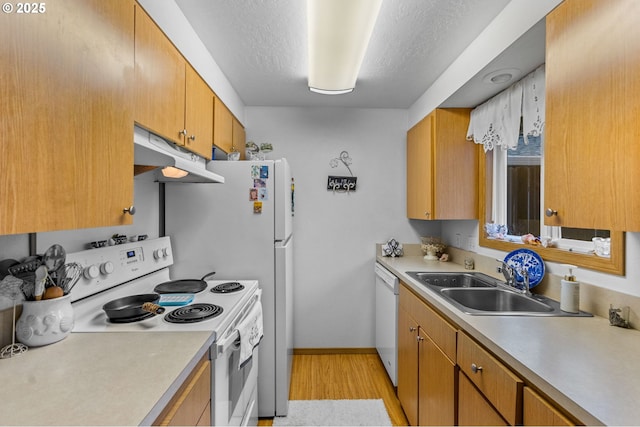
pixel 351 412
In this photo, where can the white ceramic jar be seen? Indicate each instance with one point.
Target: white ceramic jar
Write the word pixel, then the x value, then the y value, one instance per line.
pixel 45 322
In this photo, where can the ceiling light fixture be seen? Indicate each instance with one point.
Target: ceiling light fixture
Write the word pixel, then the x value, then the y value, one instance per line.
pixel 338 36
pixel 171 172
pixel 502 76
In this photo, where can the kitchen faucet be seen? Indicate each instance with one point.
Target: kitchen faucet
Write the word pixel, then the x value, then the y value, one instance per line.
pixel 510 277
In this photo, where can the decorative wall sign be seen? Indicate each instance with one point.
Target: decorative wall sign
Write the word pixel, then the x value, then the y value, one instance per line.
pixel 342 183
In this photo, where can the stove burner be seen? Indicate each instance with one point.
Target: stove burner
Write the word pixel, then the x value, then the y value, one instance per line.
pixel 132 319
pixel 225 288
pixel 193 313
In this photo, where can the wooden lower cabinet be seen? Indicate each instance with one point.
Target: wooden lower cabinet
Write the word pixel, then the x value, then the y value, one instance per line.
pixel 446 378
pixel 437 388
pixel 191 406
pixel 473 408
pixel 426 376
pixel 495 381
pixel 538 412
pixel 408 365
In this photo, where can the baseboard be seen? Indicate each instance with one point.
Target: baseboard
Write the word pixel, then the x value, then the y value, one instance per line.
pixel 340 350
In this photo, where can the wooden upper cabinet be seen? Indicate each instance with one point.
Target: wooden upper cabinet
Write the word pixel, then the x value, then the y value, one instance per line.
pixel 66 155
pixel 222 126
pixel 592 160
pixel 442 167
pixel 198 115
pixel 159 80
pixel 239 138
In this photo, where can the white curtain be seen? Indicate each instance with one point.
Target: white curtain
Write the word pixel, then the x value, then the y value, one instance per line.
pixel 496 123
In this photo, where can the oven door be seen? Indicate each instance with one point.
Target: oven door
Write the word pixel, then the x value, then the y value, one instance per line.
pixel 234 400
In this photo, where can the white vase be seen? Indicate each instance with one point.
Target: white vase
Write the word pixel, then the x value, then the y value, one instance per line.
pixel 45 322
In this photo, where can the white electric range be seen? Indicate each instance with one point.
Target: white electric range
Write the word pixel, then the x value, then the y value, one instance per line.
pixel 218 306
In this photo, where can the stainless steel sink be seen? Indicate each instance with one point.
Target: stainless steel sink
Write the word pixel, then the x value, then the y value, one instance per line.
pixel 479 294
pixel 494 300
pixel 454 280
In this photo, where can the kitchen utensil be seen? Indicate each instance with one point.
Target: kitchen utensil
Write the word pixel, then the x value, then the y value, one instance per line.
pixel 530 261
pixel 68 276
pixel 4 267
pixel 10 287
pixel 28 266
pixel 40 279
pixel 54 258
pixel 132 307
pixel 191 286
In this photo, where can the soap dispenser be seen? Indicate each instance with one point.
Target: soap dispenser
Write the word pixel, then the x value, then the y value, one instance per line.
pixel 570 292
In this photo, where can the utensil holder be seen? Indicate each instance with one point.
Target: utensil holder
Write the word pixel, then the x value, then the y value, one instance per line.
pixel 45 322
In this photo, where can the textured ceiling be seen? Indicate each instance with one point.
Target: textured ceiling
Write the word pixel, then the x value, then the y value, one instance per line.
pixel 260 45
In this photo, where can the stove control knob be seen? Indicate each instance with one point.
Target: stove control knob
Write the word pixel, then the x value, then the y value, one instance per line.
pixel 91 272
pixel 106 268
pixel 157 253
pixel 166 252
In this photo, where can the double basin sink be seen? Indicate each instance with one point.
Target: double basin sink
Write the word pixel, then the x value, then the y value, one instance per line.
pixel 479 294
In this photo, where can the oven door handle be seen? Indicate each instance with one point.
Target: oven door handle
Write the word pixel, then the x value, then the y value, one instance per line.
pixel 232 335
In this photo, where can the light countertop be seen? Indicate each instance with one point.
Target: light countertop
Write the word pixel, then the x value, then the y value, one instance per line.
pixel 582 363
pixel 98 378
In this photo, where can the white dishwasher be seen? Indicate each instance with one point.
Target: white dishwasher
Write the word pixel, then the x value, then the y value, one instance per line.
pixel 387 320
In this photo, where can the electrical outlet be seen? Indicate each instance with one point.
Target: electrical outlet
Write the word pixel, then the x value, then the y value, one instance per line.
pixel 471 243
pixel 458 240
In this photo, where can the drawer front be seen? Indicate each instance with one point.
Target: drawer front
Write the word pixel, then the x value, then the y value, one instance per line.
pixel 498 384
pixel 441 332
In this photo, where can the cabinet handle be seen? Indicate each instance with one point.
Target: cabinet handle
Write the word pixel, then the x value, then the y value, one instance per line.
pixel 550 212
pixel 427 214
pixel 192 137
pixel 475 368
pixel 412 329
pixel 131 210
pixel 183 132
pixel 420 338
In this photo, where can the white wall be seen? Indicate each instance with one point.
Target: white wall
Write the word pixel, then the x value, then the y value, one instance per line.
pixel 336 233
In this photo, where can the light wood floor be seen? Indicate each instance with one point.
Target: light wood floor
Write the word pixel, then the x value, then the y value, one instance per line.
pixel 343 376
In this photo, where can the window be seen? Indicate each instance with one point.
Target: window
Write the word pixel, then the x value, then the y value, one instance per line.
pixel 512 181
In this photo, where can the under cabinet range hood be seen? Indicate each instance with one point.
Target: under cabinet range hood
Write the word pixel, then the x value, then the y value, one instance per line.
pixel 169 162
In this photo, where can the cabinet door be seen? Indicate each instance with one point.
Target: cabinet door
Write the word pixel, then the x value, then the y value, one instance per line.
pixel 198 114
pixel 66 156
pixel 473 408
pixel 437 385
pixel 408 365
pixel 419 166
pixel 538 412
pixel 455 165
pixel 239 138
pixel 442 167
pixel 222 126
pixel 160 80
pixel 190 406
pixel 592 129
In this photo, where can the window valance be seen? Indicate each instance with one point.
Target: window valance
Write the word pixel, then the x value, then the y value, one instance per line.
pixel 496 123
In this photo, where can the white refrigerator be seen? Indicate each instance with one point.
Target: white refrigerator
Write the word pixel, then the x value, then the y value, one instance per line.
pixel 242 229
